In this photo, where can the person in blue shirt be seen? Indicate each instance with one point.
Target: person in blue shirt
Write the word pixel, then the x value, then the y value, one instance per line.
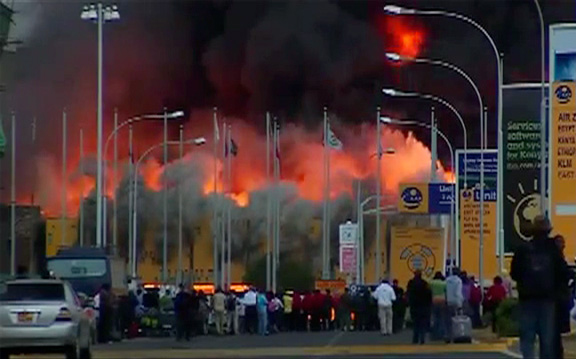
pixel 262 307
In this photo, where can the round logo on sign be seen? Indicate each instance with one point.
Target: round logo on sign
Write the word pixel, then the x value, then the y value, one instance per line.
pixel 419 257
pixel 563 94
pixel 411 197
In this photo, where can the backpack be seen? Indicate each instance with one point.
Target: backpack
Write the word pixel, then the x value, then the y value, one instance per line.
pixel 539 272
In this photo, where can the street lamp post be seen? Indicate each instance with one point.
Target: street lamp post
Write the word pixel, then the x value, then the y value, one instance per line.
pixel 397 10
pixel 396 57
pixel 396 93
pixel 99 14
pixel 114 135
pixel 195 141
pixel 453 246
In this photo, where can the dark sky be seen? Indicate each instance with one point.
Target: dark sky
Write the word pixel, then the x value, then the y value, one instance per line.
pixel 246 57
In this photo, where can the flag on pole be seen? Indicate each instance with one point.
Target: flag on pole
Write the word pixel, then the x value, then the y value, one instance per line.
pixel 233 148
pixel 333 141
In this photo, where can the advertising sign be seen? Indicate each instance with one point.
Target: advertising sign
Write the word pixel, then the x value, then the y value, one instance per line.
pixel 562 132
pixel 413 198
pixel 470 232
pixel 425 198
pixel 521 155
pixel 348 234
pixel 348 259
pixel 415 248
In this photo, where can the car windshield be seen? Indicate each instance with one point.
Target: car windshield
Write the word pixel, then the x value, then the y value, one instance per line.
pixel 32 292
pixel 77 268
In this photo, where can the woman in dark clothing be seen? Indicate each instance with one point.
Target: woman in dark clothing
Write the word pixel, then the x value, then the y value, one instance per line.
pixel 420 302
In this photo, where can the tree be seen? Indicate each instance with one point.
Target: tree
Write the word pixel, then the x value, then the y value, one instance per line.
pixel 292 274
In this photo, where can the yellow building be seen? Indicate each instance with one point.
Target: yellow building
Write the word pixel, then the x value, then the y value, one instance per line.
pixel 60 233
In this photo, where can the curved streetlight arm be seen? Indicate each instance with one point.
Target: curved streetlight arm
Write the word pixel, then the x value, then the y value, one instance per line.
pixel 170 116
pixel 196 141
pixel 450 107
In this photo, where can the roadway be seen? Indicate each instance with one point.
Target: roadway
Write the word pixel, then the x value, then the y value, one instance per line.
pixel 326 345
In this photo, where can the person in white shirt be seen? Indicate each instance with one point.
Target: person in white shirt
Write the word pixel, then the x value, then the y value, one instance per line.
pixel 251 318
pixel 385 295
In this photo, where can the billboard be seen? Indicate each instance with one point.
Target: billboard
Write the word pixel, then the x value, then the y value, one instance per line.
pixel 562 132
pixel 415 248
pixel 471 175
pixel 425 198
pixel 521 162
pixel 470 232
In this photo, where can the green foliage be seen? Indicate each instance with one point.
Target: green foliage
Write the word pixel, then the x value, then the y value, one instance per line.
pixel 507 318
pixel 291 274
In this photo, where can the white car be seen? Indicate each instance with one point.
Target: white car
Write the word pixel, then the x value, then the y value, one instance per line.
pixel 40 316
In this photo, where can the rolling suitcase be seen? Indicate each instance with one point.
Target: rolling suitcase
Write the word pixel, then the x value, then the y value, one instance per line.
pixel 461 328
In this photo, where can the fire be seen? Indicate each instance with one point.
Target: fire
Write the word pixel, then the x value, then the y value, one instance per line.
pixel 401 36
pixel 301 165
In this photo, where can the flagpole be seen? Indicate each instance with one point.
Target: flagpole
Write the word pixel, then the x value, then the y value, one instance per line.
pixel 358 215
pixel 33 201
pixel 229 214
pixel 268 206
pixel 131 209
pixel 221 214
pixel 13 200
pixel 81 188
pixel 180 194
pixel 274 273
pixel 165 204
pixel 325 199
pixel 215 204
pixel 378 257
pixel 114 188
pixel 64 180
pixel 278 227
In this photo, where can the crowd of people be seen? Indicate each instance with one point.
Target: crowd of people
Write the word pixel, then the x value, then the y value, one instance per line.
pixel 542 285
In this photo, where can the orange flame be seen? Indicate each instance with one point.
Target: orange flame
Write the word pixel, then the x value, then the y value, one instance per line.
pixel 401 36
pixel 301 165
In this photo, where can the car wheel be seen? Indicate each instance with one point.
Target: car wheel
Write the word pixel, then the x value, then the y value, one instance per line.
pixel 4 355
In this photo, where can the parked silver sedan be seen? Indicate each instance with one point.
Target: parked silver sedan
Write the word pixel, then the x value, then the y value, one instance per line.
pixel 42 316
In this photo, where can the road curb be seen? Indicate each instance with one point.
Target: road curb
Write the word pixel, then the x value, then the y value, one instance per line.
pixel 305 351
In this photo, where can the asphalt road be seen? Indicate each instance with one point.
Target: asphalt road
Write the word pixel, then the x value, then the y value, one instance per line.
pixel 328 345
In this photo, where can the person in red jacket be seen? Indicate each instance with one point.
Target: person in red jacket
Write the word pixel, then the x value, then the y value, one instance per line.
pixel 317 310
pixel 495 295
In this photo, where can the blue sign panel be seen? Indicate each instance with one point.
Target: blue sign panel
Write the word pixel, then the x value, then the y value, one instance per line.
pixel 440 197
pixel 473 163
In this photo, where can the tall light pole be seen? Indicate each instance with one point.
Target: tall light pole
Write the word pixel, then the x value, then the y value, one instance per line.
pixel 180 195
pixel 543 177
pixel 378 258
pixel 99 14
pixel 396 57
pixel 195 141
pixel 398 93
pixel 397 10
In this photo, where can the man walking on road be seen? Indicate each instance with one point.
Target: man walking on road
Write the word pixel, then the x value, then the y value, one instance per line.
pixel 385 296
pixel 540 272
